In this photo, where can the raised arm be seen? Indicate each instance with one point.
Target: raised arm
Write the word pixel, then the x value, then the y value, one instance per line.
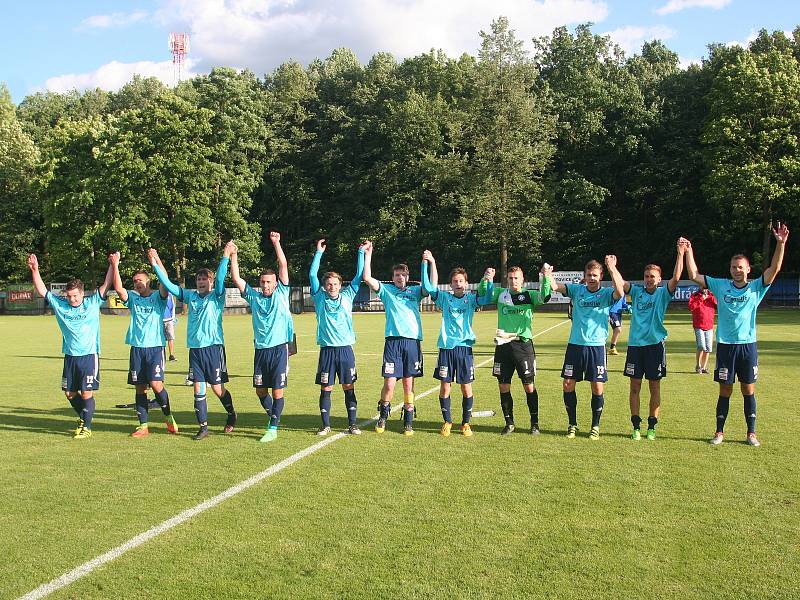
pixel 678 271
pixel 616 277
pixel 486 287
pixel 158 268
pixel 107 282
pixel 283 265
pixel 691 265
pixel 781 233
pixel 373 283
pixel 237 280
pixel 555 286
pixel 545 289
pixel 429 281
pixel 222 268
pixel 355 282
pixel 38 284
pixel 314 268
pixel 113 260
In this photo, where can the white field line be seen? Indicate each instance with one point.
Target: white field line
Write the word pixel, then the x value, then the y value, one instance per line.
pixel 136 541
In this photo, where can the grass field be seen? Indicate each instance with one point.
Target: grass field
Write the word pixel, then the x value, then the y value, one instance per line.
pixel 385 516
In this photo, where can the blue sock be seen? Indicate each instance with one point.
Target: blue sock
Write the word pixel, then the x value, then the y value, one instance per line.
pixel 408 415
pixel 201 409
pixel 325 408
pixel 385 410
pixel 142 404
pixel 77 405
pixel 162 398
pixel 636 421
pixel 277 409
pixel 750 412
pixel 351 404
pixel 571 404
pixel 88 412
pixel 227 402
pixel 266 403
pixel 507 405
pixel 723 404
pixel 466 409
pixel 533 405
pixel 598 401
pixel 444 403
pixel 651 422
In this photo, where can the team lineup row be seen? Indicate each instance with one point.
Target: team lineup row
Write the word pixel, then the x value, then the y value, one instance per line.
pixel 585 357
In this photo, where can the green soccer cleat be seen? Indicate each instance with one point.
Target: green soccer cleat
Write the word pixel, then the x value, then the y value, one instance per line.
pixel 172 426
pixel 572 431
pixel 78 428
pixel 651 434
pixel 636 435
pixel 594 434
pixel 270 435
pixel 83 434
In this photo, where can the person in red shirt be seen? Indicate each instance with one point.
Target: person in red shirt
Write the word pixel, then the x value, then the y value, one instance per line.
pixel 703 306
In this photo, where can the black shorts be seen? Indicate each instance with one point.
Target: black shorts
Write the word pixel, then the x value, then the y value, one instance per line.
pixel 649 362
pixel 81 373
pixel 146 365
pixel 585 363
pixel 516 355
pixel 208 364
pixel 736 361
pixel 271 367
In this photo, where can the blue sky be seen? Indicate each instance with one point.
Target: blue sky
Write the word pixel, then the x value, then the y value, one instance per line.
pixel 61 45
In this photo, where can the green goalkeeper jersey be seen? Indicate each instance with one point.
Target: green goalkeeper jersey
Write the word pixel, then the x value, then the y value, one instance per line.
pixel 515 310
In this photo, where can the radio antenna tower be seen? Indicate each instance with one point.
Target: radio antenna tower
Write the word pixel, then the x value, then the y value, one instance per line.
pixel 179 46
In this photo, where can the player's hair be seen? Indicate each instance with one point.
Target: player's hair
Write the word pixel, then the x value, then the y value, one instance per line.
pixel 741 256
pixel 458 271
pixel 592 265
pixel 514 269
pixel 652 267
pixel 267 272
pixel 74 284
pixel 205 273
pixel 402 267
pixel 330 274
pixel 140 272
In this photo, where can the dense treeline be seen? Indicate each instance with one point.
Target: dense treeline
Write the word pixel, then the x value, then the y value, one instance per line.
pixel 568 153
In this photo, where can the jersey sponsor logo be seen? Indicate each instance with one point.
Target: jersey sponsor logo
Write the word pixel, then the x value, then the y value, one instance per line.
pixel 729 299
pixel 589 302
pixel 509 310
pixel 645 305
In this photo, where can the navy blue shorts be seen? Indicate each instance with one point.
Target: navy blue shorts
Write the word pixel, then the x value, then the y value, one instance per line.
pixel 402 357
pixel 649 362
pixel 585 363
pixel 146 365
pixel 736 361
pixel 516 355
pixel 615 319
pixel 81 373
pixel 455 364
pixel 271 367
pixel 208 364
pixel 336 362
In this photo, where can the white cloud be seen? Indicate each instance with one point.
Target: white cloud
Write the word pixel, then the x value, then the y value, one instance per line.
pixel 751 38
pixel 261 34
pixel 631 38
pixel 114 75
pixel 113 20
pixel 686 62
pixel 674 6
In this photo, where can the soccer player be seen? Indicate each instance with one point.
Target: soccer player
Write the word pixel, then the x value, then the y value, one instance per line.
pixel 335 337
pixel 615 320
pixel 647 355
pixel 146 338
pixel 456 337
pixel 78 317
pixel 204 336
pixel 169 319
pixel 585 357
pixel 514 349
pixel 703 305
pixel 273 329
pixel 402 353
pixel 737 354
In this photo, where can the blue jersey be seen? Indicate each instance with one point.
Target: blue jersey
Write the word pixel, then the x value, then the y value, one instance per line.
pixel 619 306
pixel 80 325
pixel 589 314
pixel 647 323
pixel 146 329
pixel 402 310
pixel 169 309
pixel 457 316
pixel 204 324
pixel 737 307
pixel 272 319
pixel 335 317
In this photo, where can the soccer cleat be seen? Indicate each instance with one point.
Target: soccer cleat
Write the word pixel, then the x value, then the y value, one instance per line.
pixel 594 434
pixel 445 430
pixel 201 434
pixel 705 371
pixel 636 435
pixel 188 381
pixel 651 434
pixel 324 430
pixel 78 428
pixel 380 426
pixel 82 434
pixel 172 358
pixel 141 431
pixel 508 429
pixel 572 431
pixel 717 439
pixel 613 351
pixel 172 426
pixel 752 440
pixel 353 429
pixel 698 369
pixel 535 429
pixel 269 435
pixel 466 430
pixel 408 430
pixel 230 423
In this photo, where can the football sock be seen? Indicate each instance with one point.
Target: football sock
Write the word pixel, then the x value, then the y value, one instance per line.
pixel 201 409
pixel 162 398
pixel 723 404
pixel 266 403
pixel 277 409
pixel 507 405
pixel 598 401
pixel 651 422
pixel 88 412
pixel 142 404
pixel 325 407
pixel 385 409
pixel 750 412
pixel 351 404
pixel 408 415
pixel 444 403
pixel 636 421
pixel 571 404
pixel 77 405
pixel 533 405
pixel 227 402
pixel 466 409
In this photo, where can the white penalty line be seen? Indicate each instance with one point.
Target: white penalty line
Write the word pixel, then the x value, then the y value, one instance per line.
pixel 136 541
